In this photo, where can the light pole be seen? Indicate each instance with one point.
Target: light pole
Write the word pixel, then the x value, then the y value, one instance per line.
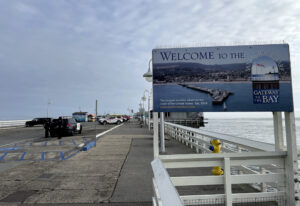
pixel 148 76
pixel 144 118
pixel 48 103
pixel 149 95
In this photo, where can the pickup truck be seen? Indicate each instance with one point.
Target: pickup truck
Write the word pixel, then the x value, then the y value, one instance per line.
pixel 37 121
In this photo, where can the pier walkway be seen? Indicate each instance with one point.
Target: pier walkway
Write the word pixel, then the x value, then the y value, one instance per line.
pixel 117 172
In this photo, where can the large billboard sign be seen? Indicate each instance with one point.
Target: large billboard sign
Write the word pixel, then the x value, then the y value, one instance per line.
pixel 225 78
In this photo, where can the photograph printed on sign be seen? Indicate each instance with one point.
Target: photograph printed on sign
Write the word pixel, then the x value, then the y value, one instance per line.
pixel 227 78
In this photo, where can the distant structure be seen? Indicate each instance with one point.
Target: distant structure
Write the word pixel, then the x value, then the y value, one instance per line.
pixel 191 119
pixel 80 116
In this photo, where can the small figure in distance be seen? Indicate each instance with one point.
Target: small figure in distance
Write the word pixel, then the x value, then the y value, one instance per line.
pixel 59 132
pixel 47 127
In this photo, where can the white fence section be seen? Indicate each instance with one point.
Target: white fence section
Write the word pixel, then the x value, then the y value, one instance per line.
pixel 200 140
pixel 271 171
pixel 230 162
pixel 12 123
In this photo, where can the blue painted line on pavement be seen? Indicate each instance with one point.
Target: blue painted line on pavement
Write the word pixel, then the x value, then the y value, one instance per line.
pixel 74 142
pixel 30 144
pixel 9 148
pixel 23 155
pixel 43 156
pixel 62 156
pixel 59 142
pixel 72 155
pixel 2 157
pixel 89 146
pixel 15 144
pixel 45 144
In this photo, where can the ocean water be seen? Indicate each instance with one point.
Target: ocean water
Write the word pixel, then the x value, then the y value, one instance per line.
pixel 259 129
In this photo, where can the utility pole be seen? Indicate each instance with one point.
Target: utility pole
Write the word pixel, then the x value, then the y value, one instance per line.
pixel 48 103
pixel 96 112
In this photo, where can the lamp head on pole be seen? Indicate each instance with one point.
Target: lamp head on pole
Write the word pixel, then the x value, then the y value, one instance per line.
pixel 148 75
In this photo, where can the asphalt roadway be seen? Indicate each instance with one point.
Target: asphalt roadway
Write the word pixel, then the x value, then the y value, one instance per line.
pixel 116 172
pixel 48 171
pixel 21 144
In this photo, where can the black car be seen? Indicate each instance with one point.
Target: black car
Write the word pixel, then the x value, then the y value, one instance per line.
pixel 63 126
pixel 37 121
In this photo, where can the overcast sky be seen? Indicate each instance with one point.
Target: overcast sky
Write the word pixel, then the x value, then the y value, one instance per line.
pixel 73 52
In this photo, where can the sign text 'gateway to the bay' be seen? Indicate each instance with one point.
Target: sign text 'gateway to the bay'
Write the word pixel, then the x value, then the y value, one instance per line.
pixel 226 78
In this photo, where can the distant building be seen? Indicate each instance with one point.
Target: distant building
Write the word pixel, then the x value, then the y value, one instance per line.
pixel 80 116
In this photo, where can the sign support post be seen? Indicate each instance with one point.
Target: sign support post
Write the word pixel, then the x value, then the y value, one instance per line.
pixel 291 161
pixel 155 135
pixel 162 132
pixel 278 131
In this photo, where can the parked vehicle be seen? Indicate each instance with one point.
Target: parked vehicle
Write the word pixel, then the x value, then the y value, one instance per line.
pixel 101 119
pixel 111 120
pixel 126 117
pixel 63 126
pixel 37 121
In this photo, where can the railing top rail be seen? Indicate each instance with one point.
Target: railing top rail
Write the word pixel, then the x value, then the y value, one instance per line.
pixel 229 138
pixel 212 156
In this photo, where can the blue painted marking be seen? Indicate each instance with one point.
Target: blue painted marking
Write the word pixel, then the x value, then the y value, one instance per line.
pixel 15 144
pixel 74 142
pixel 89 146
pixel 85 140
pixel 30 144
pixel 59 142
pixel 9 148
pixel 2 157
pixel 72 155
pixel 23 155
pixel 43 156
pixel 62 156
pixel 45 144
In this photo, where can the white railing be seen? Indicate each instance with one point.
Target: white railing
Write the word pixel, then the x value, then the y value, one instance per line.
pixel 12 123
pixel 230 162
pixel 200 140
pixel 244 162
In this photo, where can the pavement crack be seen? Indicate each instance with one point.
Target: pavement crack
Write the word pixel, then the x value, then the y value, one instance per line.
pixel 112 194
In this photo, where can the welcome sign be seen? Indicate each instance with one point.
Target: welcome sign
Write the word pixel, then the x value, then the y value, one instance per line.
pixel 227 78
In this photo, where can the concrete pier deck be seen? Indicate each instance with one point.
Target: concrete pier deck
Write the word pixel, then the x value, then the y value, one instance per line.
pixel 116 172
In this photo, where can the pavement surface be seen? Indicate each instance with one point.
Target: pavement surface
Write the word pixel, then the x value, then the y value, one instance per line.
pixel 116 172
pixel 66 175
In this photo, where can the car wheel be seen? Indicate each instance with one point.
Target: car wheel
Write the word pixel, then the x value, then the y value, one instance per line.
pixel 72 133
pixel 52 134
pixel 80 130
pixel 118 122
pixel 104 123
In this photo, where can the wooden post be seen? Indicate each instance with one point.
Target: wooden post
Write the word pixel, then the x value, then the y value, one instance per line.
pixel 155 135
pixel 162 132
pixel 278 131
pixel 227 181
pixel 291 163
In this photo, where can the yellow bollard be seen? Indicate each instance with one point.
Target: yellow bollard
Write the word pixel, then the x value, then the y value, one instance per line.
pixel 216 148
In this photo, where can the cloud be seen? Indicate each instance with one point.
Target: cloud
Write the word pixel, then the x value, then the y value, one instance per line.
pixel 74 53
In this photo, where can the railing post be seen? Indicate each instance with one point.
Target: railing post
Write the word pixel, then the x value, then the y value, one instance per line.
pixel 263 185
pixel 291 166
pixel 227 182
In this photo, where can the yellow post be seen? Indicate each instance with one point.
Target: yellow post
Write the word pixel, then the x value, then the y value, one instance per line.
pixel 216 148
